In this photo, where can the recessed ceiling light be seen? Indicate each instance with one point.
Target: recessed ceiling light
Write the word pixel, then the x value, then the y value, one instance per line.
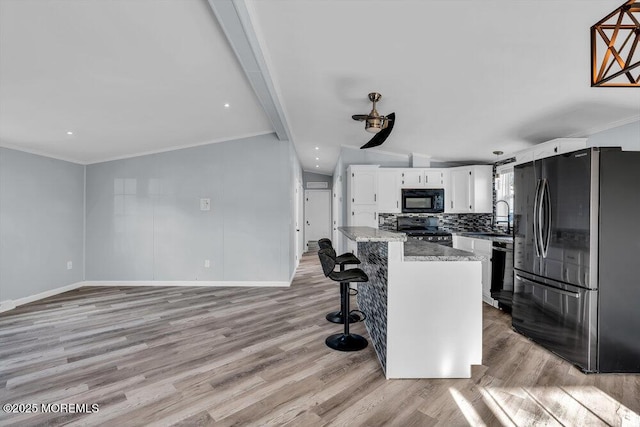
pixel 317 148
pixel 317 166
pixel 317 158
pixel 69 133
pixel 227 105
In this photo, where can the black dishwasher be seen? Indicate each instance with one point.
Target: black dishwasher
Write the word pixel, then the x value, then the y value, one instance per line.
pixel 502 274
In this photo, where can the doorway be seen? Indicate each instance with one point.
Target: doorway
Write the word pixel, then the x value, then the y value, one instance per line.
pixel 299 244
pixel 317 216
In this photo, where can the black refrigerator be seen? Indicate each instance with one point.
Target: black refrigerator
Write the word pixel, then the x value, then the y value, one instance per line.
pixel 577 257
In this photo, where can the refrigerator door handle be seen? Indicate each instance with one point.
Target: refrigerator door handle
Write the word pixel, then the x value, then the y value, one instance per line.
pixel 536 230
pixel 549 288
pixel 546 205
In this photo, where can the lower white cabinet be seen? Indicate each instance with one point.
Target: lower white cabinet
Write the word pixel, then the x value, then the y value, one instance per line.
pixel 482 247
pixel 363 216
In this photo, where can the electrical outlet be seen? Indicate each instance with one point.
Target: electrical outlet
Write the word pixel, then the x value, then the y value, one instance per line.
pixel 207 263
pixel 69 265
pixel 205 204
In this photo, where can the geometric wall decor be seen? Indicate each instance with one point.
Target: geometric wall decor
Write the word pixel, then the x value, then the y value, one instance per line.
pixel 615 54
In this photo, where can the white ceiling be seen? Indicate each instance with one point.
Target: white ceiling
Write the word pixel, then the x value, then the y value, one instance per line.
pixel 125 76
pixel 464 77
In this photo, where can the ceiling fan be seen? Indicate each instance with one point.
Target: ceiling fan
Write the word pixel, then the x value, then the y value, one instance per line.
pixel 375 123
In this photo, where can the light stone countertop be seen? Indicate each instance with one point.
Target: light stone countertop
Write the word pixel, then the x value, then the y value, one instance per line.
pixel 506 238
pixel 419 250
pixel 370 234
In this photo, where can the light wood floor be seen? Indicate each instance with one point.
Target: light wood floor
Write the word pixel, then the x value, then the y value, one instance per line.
pixel 250 356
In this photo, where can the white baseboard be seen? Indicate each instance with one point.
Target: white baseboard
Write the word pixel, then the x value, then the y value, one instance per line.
pixel 217 283
pixel 11 304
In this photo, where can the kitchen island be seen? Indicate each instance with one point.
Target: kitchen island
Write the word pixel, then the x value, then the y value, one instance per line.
pixel 423 303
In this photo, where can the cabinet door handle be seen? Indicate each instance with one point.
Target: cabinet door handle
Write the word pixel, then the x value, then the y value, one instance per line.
pixel 352 214
pixel 452 204
pixel 426 179
pixel 375 197
pixel 374 215
pixel 419 179
pixel 397 204
pixel 353 200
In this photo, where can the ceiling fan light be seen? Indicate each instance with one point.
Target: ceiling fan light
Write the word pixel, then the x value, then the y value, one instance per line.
pixel 373 125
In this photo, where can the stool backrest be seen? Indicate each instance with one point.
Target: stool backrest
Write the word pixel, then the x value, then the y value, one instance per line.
pixel 325 243
pixel 328 260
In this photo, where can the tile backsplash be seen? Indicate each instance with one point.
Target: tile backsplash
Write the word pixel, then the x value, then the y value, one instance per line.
pixel 448 222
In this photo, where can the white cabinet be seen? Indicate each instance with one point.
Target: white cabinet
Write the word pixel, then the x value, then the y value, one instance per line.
pixel 362 197
pixel 550 148
pixel 411 178
pixel 434 178
pixel 479 247
pixel 422 178
pixel 363 216
pixel 470 190
pixel 389 190
pixel 363 186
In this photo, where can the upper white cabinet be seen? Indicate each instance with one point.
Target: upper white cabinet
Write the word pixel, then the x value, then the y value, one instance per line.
pixel 550 148
pixel 363 185
pixel 422 178
pixel 470 190
pixel 389 190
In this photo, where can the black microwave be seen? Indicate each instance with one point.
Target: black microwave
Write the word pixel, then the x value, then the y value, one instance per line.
pixel 423 200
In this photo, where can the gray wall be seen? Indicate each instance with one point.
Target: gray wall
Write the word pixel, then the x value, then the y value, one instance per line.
pixel 41 223
pixel 316 177
pixel 295 176
pixel 144 220
pixel 626 136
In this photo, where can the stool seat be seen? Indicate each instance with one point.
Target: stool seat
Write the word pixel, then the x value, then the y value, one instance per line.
pixel 344 341
pixel 342 260
pixel 347 258
pixel 350 275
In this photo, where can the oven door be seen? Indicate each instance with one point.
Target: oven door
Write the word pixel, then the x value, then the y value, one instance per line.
pixel 560 317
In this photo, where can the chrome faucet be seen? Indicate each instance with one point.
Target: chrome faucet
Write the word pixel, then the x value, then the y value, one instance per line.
pixel 495 221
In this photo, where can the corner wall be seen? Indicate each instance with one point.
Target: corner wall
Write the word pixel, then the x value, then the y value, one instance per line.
pixel 41 224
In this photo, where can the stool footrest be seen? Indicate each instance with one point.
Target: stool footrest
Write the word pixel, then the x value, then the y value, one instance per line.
pixel 336 317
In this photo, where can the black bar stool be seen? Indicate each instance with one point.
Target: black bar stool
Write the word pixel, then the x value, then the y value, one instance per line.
pixel 344 341
pixel 345 259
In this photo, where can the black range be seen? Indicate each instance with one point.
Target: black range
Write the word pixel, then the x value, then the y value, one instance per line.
pixel 424 228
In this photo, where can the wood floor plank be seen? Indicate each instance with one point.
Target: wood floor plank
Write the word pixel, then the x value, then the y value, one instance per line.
pixel 198 356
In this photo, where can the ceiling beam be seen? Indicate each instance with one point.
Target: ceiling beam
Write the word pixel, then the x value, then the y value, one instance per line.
pixel 235 21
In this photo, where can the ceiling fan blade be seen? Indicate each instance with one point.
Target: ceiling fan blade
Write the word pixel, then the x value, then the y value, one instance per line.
pixel 360 117
pixel 381 136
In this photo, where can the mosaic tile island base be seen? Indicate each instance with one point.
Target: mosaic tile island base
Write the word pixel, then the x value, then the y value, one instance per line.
pixel 415 334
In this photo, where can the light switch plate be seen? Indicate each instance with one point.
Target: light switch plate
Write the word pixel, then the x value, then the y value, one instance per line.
pixel 69 265
pixel 205 204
